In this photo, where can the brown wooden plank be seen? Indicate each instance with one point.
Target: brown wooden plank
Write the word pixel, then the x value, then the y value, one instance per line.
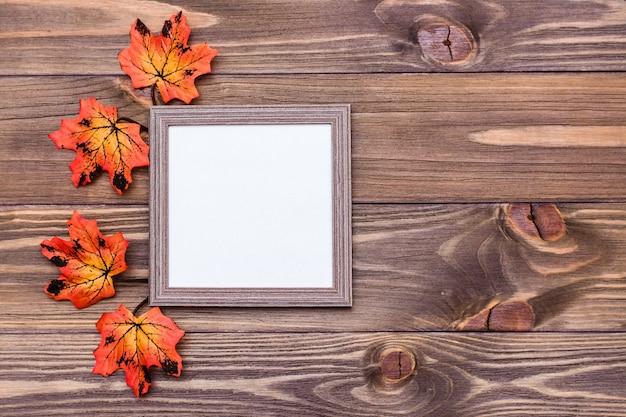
pixel 415 267
pixel 416 138
pixel 289 36
pixel 322 374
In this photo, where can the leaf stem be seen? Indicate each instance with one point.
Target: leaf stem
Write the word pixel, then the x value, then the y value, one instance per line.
pixel 142 128
pixel 141 304
pixel 153 93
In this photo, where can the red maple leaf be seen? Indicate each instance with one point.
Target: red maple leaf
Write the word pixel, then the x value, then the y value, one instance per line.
pixel 134 344
pixel 166 60
pixel 102 143
pixel 87 262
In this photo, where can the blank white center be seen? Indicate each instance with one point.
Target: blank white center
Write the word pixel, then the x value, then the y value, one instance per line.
pixel 250 206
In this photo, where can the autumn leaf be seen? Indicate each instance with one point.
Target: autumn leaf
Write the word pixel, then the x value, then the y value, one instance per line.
pixel 166 60
pixel 102 143
pixel 87 262
pixel 134 344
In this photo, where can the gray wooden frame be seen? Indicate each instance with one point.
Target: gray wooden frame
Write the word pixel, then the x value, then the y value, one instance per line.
pixel 338 116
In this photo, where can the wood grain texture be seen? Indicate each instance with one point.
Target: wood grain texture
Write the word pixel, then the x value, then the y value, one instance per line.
pixel 415 267
pixel 322 36
pixel 411 134
pixel 469 147
pixel 322 374
pixel 555 136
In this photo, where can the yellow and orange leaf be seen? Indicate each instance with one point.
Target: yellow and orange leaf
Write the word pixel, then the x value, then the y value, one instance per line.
pixel 166 60
pixel 87 262
pixel 102 143
pixel 134 344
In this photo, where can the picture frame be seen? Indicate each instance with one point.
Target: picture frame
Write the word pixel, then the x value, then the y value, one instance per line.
pixel 250 206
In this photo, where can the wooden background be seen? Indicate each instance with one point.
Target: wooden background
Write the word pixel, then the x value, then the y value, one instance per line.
pixel 464 113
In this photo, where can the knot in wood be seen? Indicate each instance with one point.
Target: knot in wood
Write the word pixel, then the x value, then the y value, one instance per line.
pixel 536 220
pixel 444 41
pixel 512 316
pixel 507 316
pixel 397 364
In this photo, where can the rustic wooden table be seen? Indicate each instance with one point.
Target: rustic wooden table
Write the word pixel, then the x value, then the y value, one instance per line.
pixel 488 194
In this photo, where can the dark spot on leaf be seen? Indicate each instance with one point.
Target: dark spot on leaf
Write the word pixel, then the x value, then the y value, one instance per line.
pixel 167 28
pixel 82 146
pixel 96 171
pixel 47 247
pixel 101 242
pixel 85 122
pixel 77 245
pixel 189 72
pixel 184 49
pixel 178 17
pixel 83 179
pixel 144 370
pixel 58 261
pixel 56 286
pixel 142 28
pixel 169 366
pixel 120 182
pixel 109 340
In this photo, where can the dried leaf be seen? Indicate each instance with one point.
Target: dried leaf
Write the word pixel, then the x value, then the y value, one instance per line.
pixel 87 262
pixel 134 344
pixel 166 60
pixel 102 143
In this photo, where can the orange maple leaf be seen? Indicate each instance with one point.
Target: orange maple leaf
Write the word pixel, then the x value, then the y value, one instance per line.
pixel 87 262
pixel 166 60
pixel 102 143
pixel 134 344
